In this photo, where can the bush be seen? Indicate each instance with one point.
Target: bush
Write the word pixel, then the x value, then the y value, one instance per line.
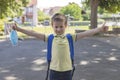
pixel 86 17
pixel 1 26
pixel 83 23
pixel 79 23
pixel 101 21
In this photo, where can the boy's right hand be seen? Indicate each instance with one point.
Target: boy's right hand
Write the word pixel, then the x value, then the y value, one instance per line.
pixel 14 26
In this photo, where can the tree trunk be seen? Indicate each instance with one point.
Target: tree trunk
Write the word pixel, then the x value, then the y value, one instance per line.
pixel 93 17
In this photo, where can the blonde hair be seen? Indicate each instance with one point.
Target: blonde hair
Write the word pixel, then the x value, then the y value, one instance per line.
pixel 59 17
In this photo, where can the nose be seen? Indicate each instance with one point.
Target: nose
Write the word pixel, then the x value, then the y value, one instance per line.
pixel 58 29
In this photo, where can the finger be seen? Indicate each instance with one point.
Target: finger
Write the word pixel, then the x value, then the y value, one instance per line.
pixel 11 25
pixel 104 23
pixel 106 28
pixel 14 26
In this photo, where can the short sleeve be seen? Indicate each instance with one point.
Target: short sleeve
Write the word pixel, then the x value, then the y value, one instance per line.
pixel 46 37
pixel 73 36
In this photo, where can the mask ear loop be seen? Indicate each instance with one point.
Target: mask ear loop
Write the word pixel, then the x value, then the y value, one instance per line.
pixel 7 29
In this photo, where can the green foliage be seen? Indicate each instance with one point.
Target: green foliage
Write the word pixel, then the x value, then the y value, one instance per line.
pixel 73 10
pixel 25 2
pixel 86 17
pixel 11 8
pixel 42 16
pixel 112 6
pixel 2 25
pixel 79 23
pixel 86 9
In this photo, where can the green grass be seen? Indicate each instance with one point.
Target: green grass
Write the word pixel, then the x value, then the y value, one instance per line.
pixel 48 30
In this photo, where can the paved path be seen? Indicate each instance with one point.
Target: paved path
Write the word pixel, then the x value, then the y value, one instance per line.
pixel 95 59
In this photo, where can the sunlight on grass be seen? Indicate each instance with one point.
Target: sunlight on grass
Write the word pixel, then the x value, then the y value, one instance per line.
pixel 49 30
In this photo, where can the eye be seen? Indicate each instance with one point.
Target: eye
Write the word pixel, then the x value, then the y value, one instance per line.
pixel 56 26
pixel 61 26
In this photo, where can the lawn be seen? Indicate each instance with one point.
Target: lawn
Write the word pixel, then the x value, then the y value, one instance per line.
pixel 48 30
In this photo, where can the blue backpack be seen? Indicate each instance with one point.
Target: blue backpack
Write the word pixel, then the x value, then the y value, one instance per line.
pixel 49 48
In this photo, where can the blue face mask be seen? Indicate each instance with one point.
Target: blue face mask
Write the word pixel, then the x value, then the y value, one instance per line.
pixel 14 38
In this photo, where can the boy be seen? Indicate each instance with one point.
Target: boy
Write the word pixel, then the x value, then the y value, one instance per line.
pixel 61 65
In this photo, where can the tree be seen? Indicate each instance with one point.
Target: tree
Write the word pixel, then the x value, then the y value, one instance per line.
pixel 86 11
pixel 42 16
pixel 112 6
pixel 11 8
pixel 73 10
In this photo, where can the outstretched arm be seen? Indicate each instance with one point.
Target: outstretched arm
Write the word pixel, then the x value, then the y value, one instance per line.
pixel 92 32
pixel 30 33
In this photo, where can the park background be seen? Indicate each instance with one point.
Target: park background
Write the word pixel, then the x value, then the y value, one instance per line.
pixel 96 58
pixel 82 14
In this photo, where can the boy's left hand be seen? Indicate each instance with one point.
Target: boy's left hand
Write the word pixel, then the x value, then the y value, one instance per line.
pixel 104 28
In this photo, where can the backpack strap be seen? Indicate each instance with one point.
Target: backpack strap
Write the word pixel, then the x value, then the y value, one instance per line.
pixel 70 40
pixel 49 49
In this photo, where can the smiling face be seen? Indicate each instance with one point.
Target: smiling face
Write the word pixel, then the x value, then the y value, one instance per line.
pixel 59 23
pixel 59 27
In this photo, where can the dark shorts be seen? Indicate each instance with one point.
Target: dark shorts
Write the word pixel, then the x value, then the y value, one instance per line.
pixel 55 75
